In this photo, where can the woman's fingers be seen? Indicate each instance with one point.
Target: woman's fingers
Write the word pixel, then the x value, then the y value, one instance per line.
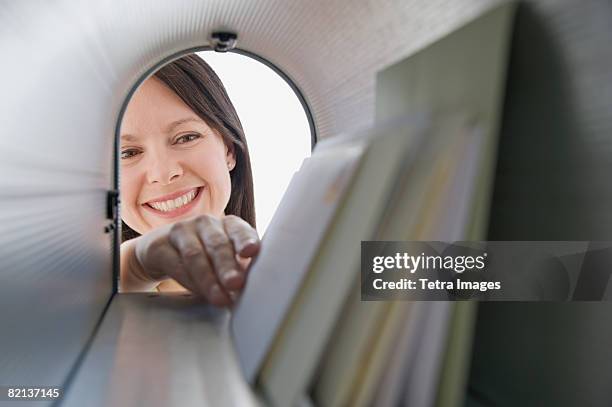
pixel 243 236
pixel 196 267
pixel 220 251
pixel 246 244
pixel 162 260
pixel 203 254
pixel 192 266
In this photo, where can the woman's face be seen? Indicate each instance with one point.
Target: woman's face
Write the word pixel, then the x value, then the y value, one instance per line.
pixel 173 165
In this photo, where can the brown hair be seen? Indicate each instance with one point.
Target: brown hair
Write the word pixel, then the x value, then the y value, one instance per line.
pixel 201 89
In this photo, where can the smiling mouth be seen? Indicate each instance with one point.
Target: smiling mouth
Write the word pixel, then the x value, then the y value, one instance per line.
pixel 174 205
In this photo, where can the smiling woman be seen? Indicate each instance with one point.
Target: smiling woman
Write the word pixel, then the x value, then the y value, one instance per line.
pixel 187 204
pixel 170 162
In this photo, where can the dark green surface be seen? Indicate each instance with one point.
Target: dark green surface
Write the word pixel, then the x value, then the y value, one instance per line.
pixel 552 183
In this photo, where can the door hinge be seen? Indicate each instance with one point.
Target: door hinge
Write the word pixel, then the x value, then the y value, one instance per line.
pixel 112 205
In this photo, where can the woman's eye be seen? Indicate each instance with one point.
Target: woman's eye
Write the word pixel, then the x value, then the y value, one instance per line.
pixel 125 154
pixel 186 138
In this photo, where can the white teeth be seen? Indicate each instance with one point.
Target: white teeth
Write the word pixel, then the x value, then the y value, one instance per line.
pixel 173 204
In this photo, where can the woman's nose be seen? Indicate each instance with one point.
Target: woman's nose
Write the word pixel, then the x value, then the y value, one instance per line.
pixel 163 170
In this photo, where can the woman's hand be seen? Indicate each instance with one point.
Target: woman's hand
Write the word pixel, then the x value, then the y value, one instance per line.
pixel 206 255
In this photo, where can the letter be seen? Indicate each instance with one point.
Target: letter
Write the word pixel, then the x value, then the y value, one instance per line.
pixel 480 261
pixel 459 261
pixel 377 286
pixel 448 263
pixel 469 262
pixel 398 261
pixel 377 264
pixel 405 258
pixel 415 263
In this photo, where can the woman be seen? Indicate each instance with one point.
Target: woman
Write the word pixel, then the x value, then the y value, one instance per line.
pixel 187 202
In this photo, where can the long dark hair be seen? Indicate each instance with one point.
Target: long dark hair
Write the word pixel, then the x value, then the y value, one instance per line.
pixel 201 89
